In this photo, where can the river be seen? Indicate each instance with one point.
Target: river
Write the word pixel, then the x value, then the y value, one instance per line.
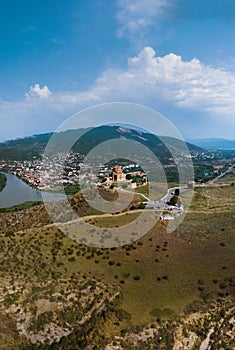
pixel 17 191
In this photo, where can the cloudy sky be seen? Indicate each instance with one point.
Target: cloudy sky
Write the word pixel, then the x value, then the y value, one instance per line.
pixel 176 56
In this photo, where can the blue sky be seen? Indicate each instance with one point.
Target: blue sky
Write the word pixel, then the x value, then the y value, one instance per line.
pixel 176 56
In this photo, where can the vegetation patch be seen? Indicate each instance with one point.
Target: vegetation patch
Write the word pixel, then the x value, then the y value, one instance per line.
pixel 52 285
pixel 3 181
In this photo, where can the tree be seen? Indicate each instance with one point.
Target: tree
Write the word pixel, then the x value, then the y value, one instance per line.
pixel 173 200
pixel 177 192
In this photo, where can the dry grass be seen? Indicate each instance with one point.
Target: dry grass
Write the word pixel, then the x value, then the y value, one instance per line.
pixel 158 272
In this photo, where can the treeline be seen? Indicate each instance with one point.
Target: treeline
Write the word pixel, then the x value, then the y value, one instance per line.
pixel 3 181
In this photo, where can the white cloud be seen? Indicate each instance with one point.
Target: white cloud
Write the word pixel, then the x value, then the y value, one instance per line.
pixel 136 15
pixel 77 98
pixel 187 84
pixel 148 77
pixel 35 91
pixel 187 87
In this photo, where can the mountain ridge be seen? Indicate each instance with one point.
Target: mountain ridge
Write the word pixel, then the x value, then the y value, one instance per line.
pixel 33 146
pixel 214 143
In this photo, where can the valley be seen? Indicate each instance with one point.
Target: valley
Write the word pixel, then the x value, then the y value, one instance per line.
pixel 92 280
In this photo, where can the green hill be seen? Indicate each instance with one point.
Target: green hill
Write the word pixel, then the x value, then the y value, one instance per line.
pixel 30 147
pixel 24 148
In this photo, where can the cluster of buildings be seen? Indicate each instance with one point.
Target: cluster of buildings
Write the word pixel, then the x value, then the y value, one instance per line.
pixel 65 169
pixel 46 173
pixel 28 170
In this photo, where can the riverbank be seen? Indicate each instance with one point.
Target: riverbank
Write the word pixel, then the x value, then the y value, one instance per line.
pixel 69 189
pixel 17 192
pixel 3 181
pixel 18 207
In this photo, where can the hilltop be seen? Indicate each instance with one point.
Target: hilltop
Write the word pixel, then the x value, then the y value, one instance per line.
pixel 33 146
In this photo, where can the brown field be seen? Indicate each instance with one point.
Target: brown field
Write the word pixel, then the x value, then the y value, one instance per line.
pixel 159 275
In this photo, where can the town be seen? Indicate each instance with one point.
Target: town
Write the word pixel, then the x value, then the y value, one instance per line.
pixel 46 173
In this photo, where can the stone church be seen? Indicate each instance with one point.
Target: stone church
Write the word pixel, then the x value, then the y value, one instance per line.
pixel 117 174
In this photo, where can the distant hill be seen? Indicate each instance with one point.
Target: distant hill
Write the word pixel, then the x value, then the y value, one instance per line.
pixel 32 147
pixel 214 143
pixel 24 148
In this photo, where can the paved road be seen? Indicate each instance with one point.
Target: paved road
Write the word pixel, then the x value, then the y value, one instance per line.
pixel 171 192
pixel 221 175
pixel 160 203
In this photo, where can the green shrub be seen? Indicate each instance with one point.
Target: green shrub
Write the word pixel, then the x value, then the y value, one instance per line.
pixel 136 278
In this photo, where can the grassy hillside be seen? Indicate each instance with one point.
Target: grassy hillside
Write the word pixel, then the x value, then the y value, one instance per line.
pixel 34 214
pixel 95 294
